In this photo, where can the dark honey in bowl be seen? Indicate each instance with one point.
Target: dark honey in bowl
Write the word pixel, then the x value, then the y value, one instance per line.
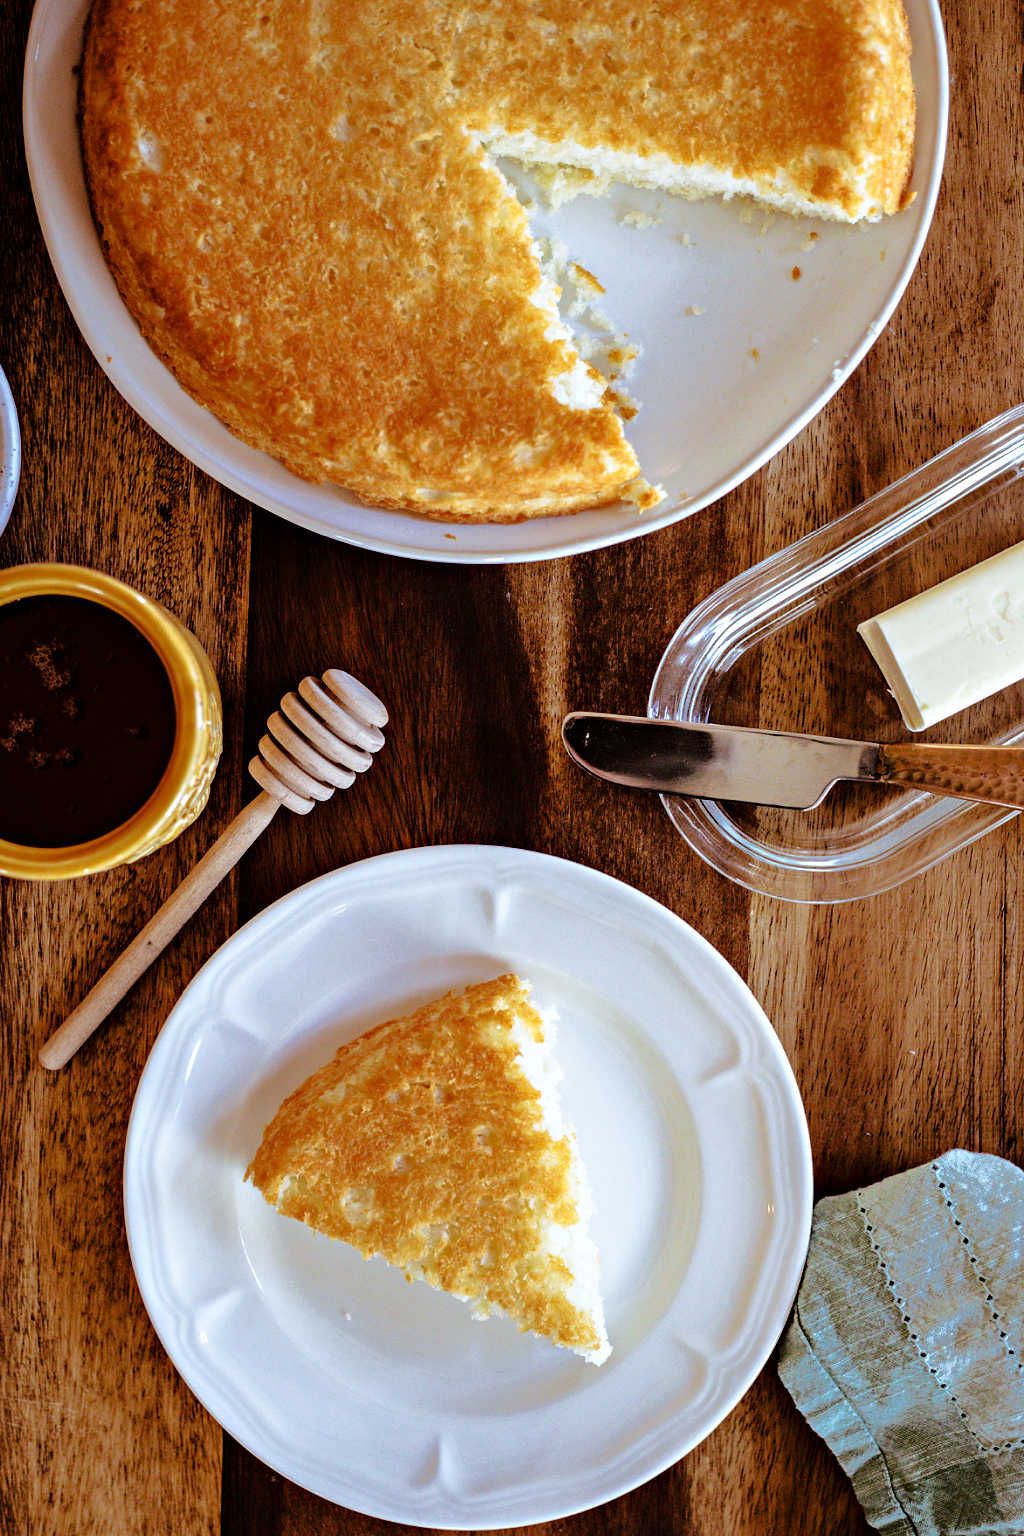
pixel 87 720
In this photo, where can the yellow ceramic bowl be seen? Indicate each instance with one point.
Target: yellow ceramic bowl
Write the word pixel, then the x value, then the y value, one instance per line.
pixel 185 786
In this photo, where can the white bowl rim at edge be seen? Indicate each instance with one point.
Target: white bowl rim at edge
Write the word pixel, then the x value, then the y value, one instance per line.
pixel 10 451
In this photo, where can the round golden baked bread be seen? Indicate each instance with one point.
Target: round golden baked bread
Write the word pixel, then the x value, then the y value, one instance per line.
pixel 299 204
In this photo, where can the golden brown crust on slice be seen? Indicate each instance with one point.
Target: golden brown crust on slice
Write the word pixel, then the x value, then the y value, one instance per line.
pixel 424 1141
pixel 294 203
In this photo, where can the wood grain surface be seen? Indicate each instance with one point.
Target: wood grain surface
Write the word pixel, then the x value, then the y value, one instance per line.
pixel 900 1014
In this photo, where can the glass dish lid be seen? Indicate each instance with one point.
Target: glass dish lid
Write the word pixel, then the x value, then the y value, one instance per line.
pixel 784 633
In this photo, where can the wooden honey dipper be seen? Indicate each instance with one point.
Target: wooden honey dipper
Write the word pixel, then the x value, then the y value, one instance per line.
pixel 317 742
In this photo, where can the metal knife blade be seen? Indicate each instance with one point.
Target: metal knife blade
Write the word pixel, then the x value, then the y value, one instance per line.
pixel 715 762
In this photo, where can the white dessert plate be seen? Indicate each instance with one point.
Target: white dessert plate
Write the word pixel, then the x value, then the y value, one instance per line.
pixel 388 1397
pixel 738 355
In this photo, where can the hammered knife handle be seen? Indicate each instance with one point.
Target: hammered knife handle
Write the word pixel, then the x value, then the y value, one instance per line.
pixel 994 775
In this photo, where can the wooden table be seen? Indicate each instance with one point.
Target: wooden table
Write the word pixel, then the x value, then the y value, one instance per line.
pixel 899 1014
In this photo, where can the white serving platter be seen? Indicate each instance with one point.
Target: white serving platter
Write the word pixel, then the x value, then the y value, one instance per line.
pixel 722 390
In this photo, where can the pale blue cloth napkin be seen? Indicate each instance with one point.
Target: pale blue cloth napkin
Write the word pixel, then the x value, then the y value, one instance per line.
pixel 905 1350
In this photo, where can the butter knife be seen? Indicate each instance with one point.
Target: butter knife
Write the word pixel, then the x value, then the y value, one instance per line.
pixel 778 768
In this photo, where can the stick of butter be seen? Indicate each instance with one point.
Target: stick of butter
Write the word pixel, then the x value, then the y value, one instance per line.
pixel 955 644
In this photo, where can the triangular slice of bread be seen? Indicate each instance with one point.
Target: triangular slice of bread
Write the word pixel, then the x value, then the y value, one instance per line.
pixel 437 1142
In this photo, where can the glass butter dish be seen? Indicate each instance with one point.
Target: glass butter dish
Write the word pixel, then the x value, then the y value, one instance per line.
pixel 784 634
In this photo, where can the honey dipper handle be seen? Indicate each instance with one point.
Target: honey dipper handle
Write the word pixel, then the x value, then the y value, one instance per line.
pixel 159 931
pixel 991 774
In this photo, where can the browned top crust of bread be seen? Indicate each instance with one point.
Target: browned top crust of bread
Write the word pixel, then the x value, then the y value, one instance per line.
pixel 294 202
pixel 423 1141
